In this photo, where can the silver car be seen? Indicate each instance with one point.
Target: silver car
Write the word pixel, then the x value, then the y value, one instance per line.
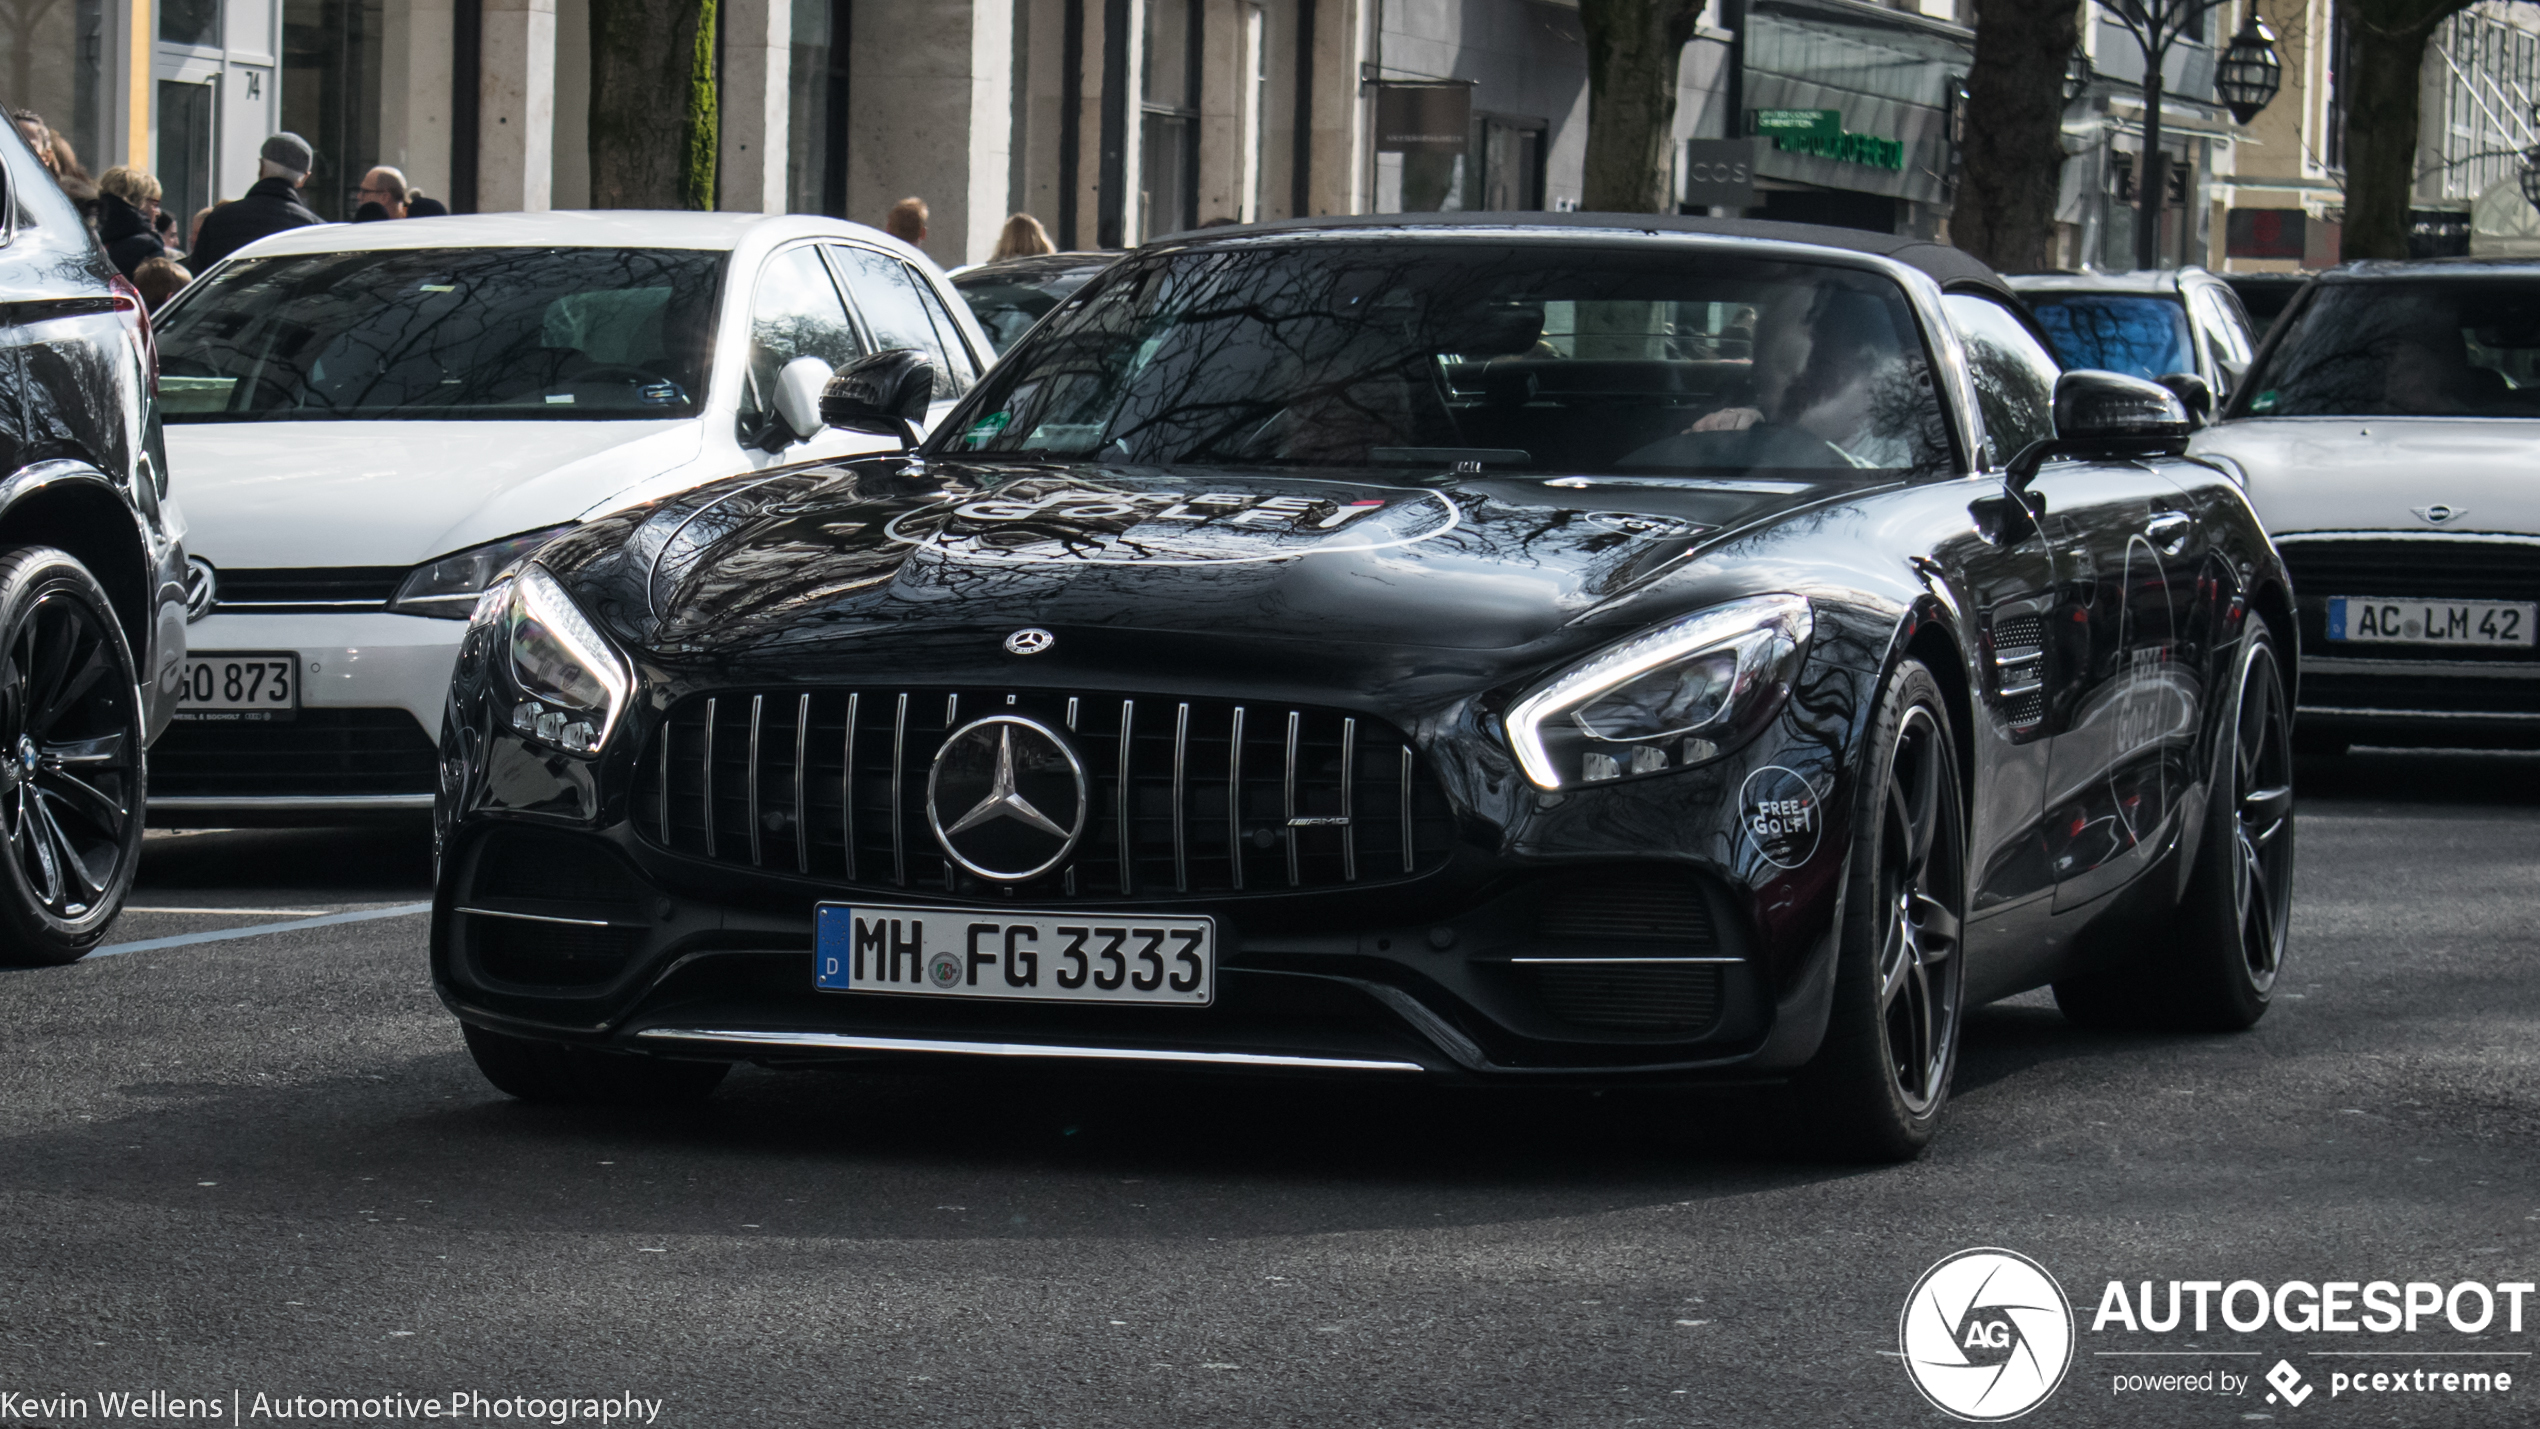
pixel 2387 436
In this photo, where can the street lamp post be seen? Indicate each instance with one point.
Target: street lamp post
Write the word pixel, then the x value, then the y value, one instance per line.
pixel 2250 74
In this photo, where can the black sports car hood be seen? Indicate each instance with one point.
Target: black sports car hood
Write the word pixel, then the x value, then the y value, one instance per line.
pixel 786 563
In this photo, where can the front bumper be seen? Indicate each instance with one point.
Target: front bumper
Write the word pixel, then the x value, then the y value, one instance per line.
pixel 2480 704
pixel 373 689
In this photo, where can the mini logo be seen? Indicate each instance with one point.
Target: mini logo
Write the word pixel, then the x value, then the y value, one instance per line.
pixel 2288 1383
pixel 1031 640
pixel 2439 514
pixel 1987 1335
pixel 1007 798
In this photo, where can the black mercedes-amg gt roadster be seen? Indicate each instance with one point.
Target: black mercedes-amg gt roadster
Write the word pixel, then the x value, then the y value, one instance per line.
pixel 1506 648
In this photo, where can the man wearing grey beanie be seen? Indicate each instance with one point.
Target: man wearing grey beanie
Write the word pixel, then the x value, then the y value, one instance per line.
pixel 272 205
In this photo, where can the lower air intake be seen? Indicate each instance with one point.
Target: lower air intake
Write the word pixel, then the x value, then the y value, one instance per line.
pixel 1660 997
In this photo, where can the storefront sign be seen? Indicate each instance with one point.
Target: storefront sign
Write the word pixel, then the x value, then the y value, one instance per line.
pixel 1719 173
pixel 1795 123
pixel 1424 116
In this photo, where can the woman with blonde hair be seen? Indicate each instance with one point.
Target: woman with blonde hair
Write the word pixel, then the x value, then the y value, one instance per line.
pixel 127 218
pixel 1023 238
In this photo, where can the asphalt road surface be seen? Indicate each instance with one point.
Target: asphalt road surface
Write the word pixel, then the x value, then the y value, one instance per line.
pixel 265 1166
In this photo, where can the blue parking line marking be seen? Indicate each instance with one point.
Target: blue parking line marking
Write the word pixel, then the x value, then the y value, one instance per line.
pixel 183 939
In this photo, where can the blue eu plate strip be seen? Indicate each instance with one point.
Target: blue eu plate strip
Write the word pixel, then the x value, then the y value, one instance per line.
pixel 2337 617
pixel 834 946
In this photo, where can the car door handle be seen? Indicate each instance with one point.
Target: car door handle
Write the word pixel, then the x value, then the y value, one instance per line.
pixel 2168 534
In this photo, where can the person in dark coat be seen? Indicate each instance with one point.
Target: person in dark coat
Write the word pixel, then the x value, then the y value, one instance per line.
pixel 127 210
pixel 418 206
pixel 272 205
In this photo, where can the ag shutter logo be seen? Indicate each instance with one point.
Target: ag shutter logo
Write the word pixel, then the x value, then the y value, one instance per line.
pixel 1986 1335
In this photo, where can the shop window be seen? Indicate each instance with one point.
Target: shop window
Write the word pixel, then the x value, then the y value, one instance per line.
pixel 1168 132
pixel 52 60
pixel 195 23
pixel 184 159
pixel 330 96
pixel 1512 165
pixel 816 143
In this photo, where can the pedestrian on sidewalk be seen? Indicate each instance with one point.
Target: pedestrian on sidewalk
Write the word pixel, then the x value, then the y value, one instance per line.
pixel 271 205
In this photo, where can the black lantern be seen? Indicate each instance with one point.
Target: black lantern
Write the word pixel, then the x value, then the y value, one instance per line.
pixel 2251 72
pixel 2077 75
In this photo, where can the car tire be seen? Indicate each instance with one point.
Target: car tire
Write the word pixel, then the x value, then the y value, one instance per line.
pixel 71 771
pixel 1877 1086
pixel 536 1071
pixel 2218 970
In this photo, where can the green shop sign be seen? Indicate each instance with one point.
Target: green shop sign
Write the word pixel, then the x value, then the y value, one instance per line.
pixel 1821 132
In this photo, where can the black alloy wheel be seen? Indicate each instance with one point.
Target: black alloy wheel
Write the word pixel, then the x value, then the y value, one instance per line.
pixel 71 766
pixel 1879 1082
pixel 2218 972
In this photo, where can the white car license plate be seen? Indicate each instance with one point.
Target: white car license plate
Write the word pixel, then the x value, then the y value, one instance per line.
pixel 227 685
pixel 1008 955
pixel 2383 620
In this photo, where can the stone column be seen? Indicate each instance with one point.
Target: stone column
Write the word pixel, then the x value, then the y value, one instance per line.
pixel 930 93
pixel 758 40
pixel 414 99
pixel 516 107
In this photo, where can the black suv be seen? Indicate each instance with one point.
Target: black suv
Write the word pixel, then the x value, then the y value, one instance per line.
pixel 92 578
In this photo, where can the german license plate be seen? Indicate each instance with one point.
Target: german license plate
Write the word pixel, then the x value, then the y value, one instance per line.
pixel 1014 956
pixel 2383 620
pixel 232 686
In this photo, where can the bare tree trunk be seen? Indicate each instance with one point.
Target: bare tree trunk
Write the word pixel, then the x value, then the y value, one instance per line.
pixel 2384 62
pixel 1633 49
pixel 2012 164
pixel 652 92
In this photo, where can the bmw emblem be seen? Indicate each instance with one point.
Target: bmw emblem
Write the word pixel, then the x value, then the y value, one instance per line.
pixel 1007 798
pixel 1031 640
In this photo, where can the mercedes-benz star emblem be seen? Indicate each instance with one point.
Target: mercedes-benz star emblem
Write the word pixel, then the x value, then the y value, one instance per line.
pixel 1006 798
pixel 2439 514
pixel 1031 640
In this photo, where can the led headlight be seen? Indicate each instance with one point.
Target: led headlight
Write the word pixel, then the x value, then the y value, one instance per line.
pixel 447 589
pixel 1671 698
pixel 570 682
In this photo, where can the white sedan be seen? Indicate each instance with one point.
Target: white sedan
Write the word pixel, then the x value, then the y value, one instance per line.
pixel 368 423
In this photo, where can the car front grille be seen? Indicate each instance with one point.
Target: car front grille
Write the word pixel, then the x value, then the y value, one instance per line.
pixel 1185 797
pixel 2430 567
pixel 309 588
pixel 2454 695
pixel 322 752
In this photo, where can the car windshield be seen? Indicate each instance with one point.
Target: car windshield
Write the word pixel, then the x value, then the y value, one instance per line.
pixel 1008 302
pixel 2413 348
pixel 443 334
pixel 1474 356
pixel 2116 332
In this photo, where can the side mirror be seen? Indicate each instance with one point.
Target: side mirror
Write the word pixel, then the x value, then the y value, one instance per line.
pixel 2106 415
pixel 2193 393
pixel 884 395
pixel 798 389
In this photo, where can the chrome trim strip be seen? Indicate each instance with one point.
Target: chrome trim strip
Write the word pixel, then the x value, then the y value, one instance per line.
pixel 1627 961
pixel 1181 753
pixel 2026 687
pixel 952 710
pixel 2504 538
pixel 289 802
pixel 846 786
pixel 1409 854
pixel 758 710
pixel 1349 776
pixel 1120 771
pixel 843 1042
pixel 802 750
pixel 1235 799
pixel 709 772
pixel 669 735
pixel 2336 710
pixel 546 918
pixel 899 820
pixel 1071 711
pixel 1295 719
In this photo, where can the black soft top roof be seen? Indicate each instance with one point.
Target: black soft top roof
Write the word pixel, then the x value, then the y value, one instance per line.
pixel 1949 267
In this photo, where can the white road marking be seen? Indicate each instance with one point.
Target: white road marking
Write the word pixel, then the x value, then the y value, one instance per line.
pixel 259 930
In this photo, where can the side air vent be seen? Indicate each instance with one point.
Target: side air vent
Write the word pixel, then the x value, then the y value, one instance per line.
pixel 1654 907
pixel 2019 669
pixel 545 909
